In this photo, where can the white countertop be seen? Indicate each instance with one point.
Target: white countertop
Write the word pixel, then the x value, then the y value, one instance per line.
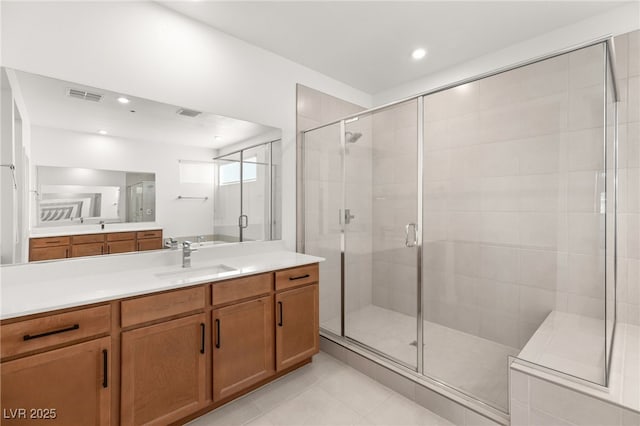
pixel 41 287
pixel 91 228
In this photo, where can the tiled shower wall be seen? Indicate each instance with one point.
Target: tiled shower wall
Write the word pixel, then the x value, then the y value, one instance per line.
pixel 513 181
pixel 627 48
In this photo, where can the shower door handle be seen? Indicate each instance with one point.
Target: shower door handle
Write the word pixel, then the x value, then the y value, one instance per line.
pixel 243 221
pixel 415 235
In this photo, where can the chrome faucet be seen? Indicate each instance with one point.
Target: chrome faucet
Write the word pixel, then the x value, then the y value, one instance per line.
pixel 171 243
pixel 186 254
pixel 200 239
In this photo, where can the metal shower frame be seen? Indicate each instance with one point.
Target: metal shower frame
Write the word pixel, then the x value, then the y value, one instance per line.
pixel 418 372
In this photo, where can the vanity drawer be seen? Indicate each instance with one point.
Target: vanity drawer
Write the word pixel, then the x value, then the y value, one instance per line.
pixel 295 277
pixel 158 306
pixel 48 253
pixel 89 238
pixel 50 242
pixel 124 246
pixel 40 333
pixel 92 249
pixel 121 236
pixel 241 288
pixel 150 244
pixel 143 235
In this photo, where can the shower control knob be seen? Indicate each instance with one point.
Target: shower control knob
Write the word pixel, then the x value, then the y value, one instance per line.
pixel 348 216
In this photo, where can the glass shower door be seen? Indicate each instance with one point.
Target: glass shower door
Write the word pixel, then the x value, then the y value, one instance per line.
pixel 322 171
pixel 254 222
pixel 382 233
pixel 227 203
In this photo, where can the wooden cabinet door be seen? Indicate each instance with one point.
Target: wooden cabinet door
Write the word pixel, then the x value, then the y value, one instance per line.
pixel 150 244
pixel 91 249
pixel 48 253
pixel 121 246
pixel 68 386
pixel 163 371
pixel 242 346
pixel 297 325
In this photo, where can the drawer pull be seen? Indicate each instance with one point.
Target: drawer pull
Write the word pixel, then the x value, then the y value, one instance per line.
pixel 152 234
pixel 105 368
pixel 202 328
pixel 52 242
pixel 217 333
pixel 280 320
pixel 301 277
pixel 49 333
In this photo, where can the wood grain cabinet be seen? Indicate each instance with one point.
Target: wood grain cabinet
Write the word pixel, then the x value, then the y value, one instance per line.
pixel 121 242
pixel 67 386
pixel 149 240
pixel 163 371
pixel 49 248
pixel 297 325
pixel 243 346
pixel 161 358
pixel 52 369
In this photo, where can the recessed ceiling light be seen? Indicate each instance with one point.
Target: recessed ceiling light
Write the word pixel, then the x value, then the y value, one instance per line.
pixel 217 138
pixel 123 100
pixel 419 54
pixel 102 132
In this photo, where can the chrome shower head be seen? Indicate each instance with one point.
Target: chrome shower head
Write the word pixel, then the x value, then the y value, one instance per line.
pixel 351 137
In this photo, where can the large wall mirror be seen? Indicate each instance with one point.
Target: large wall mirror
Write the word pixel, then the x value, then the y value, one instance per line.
pixel 80 160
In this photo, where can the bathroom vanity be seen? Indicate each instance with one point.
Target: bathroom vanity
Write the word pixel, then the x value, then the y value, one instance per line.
pixel 94 244
pixel 163 345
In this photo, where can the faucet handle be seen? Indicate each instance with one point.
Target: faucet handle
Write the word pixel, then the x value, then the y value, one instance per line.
pixel 187 246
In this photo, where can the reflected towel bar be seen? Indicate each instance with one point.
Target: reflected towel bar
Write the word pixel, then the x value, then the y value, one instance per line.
pixel 180 197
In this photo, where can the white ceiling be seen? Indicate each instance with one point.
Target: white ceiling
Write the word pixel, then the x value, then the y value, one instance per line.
pixel 48 105
pixel 368 44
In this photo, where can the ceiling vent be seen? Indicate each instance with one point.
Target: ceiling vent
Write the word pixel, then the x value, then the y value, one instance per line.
pixel 189 112
pixel 84 95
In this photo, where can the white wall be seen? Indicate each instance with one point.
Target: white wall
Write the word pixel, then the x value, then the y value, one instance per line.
pixel 15 149
pixel 63 148
pixel 618 21
pixel 146 50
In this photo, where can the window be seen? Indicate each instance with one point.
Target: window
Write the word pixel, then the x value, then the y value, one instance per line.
pixel 230 172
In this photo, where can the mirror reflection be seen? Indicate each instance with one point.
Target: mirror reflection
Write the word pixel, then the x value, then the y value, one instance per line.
pixel 105 196
pixel 91 171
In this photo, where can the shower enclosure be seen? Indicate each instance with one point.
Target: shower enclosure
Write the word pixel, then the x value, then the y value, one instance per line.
pixel 456 222
pixel 247 194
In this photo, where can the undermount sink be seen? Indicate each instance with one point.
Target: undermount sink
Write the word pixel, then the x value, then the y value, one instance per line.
pixel 195 274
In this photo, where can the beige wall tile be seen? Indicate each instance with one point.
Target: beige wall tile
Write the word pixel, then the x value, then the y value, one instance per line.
pixel 571 406
pixel 634 53
pixel 585 67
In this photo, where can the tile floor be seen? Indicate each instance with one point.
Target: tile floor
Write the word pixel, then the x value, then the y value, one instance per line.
pixel 470 363
pixel 324 393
